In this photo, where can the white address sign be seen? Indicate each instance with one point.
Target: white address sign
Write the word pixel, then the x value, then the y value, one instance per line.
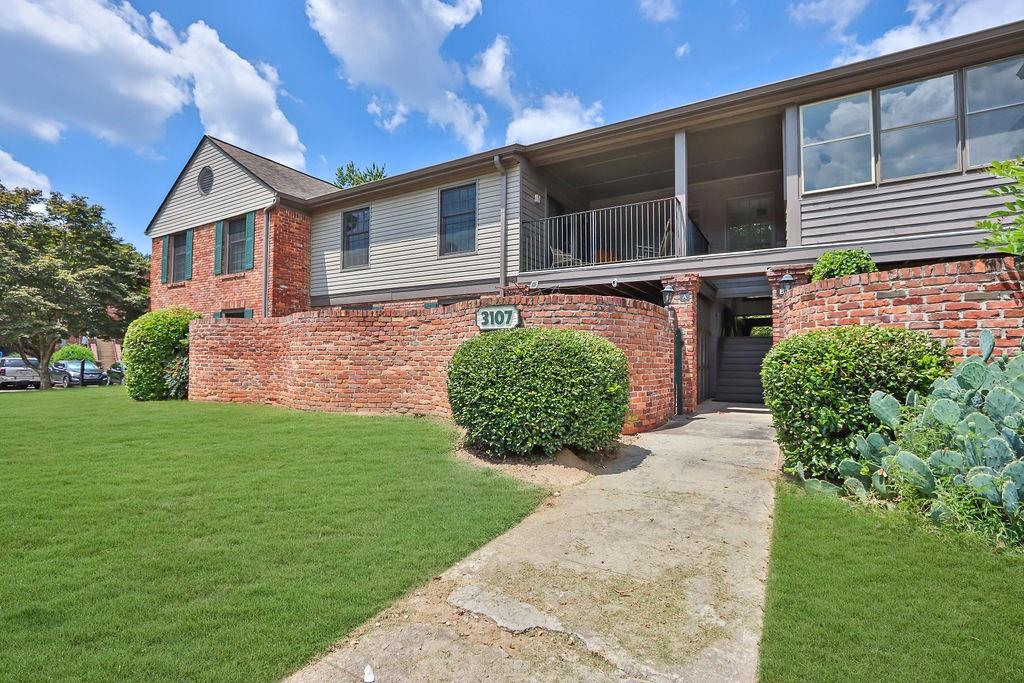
pixel 497 317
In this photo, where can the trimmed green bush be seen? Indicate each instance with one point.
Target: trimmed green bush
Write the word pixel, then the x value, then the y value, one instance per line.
pixel 72 352
pixel 152 343
pixel 524 390
pixel 817 386
pixel 841 263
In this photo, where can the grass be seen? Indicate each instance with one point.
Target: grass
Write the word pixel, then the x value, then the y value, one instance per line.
pixel 199 541
pixel 863 595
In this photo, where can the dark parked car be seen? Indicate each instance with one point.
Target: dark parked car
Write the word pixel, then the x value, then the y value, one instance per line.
pixel 71 373
pixel 115 373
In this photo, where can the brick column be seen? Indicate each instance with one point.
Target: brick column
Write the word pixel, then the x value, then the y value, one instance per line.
pixel 289 261
pixel 779 299
pixel 684 307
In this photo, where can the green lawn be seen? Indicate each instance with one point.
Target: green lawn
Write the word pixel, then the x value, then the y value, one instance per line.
pixel 179 540
pixel 860 595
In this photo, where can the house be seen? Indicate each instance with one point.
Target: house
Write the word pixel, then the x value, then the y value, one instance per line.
pixel 887 154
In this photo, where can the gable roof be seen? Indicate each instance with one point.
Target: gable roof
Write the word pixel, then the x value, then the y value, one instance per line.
pixel 278 177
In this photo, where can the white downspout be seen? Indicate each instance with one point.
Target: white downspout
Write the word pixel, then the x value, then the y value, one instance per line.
pixel 266 258
pixel 503 225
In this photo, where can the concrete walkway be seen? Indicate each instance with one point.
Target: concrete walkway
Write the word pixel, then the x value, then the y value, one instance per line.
pixel 653 572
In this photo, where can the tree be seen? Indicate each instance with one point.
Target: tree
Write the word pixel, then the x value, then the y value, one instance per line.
pixel 1006 236
pixel 350 176
pixel 63 274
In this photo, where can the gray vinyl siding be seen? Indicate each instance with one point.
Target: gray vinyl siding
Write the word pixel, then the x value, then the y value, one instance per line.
pixel 234 192
pixel 929 206
pixel 403 249
pixel 530 210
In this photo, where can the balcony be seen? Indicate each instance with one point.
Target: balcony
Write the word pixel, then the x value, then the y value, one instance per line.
pixel 643 231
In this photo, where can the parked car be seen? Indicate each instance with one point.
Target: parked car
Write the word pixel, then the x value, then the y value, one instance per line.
pixel 14 372
pixel 115 373
pixel 71 371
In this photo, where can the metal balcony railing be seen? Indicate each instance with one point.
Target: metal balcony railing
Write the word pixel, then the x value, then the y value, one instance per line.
pixel 633 232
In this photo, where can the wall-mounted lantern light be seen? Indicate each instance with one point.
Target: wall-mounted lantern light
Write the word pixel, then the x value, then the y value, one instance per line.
pixel 667 294
pixel 786 283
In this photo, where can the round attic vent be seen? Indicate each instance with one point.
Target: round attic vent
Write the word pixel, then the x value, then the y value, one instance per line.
pixel 206 180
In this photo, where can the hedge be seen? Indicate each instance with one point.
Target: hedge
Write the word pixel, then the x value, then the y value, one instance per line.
pixel 152 343
pixel 72 352
pixel 817 385
pixel 842 263
pixel 521 391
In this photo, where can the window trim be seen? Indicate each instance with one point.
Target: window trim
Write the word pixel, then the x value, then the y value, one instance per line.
pixel 476 218
pixel 966 114
pixel 170 257
pixel 870 134
pixel 225 246
pixel 369 225
pixel 957 117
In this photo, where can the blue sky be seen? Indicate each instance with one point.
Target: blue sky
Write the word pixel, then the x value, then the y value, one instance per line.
pixel 108 99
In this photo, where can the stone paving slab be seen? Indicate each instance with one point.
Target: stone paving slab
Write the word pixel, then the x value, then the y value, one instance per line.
pixel 654 572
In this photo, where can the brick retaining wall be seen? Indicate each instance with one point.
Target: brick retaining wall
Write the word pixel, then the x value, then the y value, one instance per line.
pixel 952 301
pixel 396 359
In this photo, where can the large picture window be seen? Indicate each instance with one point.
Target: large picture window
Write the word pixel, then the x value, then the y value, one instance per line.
pixel 918 128
pixel 995 111
pixel 356 247
pixel 458 220
pixel 836 143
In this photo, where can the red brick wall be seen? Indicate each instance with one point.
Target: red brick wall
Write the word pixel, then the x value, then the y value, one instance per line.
pixel 952 301
pixel 208 293
pixel 395 359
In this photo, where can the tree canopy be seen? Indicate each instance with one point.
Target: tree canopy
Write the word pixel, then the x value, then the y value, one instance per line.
pixel 63 273
pixel 350 175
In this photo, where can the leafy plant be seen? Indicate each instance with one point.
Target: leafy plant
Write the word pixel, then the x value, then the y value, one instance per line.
pixel 176 378
pixel 522 390
pixel 1006 225
pixel 350 175
pixel 151 345
pixel 761 331
pixel 72 352
pixel 817 386
pixel 957 454
pixel 841 263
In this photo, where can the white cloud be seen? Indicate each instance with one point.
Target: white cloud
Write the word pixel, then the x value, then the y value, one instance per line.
pixel 836 14
pixel 13 174
pixel 659 10
pixel 557 115
pixel 682 50
pixel 394 50
pixel 103 68
pixel 236 100
pixel 491 73
pixel 936 20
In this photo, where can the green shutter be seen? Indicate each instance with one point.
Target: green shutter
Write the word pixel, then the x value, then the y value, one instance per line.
pixel 218 314
pixel 250 231
pixel 166 242
pixel 188 254
pixel 247 313
pixel 218 247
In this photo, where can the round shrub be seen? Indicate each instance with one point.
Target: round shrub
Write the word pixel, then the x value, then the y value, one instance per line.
pixel 153 341
pixel 524 390
pixel 72 352
pixel 842 263
pixel 817 385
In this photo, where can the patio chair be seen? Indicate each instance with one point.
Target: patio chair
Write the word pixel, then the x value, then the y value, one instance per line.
pixel 563 259
pixel 664 247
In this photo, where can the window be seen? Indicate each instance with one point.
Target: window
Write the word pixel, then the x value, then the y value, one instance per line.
pixel 356 236
pixel 234 246
pixel 458 220
pixel 918 128
pixel 749 223
pixel 234 313
pixel 177 254
pixel 836 143
pixel 995 111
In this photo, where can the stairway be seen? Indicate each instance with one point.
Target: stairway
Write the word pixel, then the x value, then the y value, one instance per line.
pixel 739 368
pixel 105 352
